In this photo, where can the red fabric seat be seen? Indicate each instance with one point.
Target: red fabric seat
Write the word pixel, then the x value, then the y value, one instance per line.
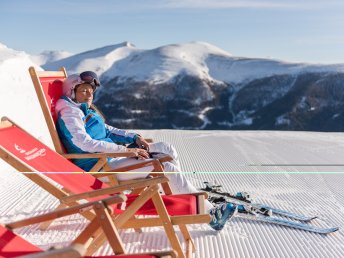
pixel 31 151
pixel 52 88
pixel 12 245
pixel 176 205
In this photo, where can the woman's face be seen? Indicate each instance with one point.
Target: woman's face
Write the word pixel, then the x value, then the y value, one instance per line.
pixel 84 94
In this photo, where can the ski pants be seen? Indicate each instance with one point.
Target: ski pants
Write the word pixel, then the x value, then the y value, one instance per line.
pixel 178 182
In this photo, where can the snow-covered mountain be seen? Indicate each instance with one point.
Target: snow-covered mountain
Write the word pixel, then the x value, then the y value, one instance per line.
pixel 49 56
pixel 98 60
pixel 199 86
pixel 162 64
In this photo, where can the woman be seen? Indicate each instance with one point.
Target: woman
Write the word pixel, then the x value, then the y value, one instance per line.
pixel 82 130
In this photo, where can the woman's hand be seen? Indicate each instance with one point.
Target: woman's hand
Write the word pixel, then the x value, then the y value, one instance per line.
pixel 141 153
pixel 142 143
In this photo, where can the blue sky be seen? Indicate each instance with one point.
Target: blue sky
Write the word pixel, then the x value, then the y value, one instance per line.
pixel 295 30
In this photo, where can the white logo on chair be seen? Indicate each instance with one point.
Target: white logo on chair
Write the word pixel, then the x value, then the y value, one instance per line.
pixel 32 154
pixel 18 148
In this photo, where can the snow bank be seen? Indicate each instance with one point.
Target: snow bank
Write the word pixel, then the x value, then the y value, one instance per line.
pixel 18 99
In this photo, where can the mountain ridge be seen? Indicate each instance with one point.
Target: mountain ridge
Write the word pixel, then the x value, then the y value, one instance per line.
pixel 199 86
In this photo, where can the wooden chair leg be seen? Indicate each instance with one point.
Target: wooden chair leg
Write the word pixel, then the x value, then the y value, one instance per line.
pixel 167 188
pixel 97 241
pixel 166 221
pixel 105 231
pixel 190 245
pixel 109 229
pixel 93 237
pixel 87 236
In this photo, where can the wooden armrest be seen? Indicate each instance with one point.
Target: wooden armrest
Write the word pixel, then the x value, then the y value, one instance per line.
pixel 99 155
pixel 205 194
pixel 115 189
pixel 66 211
pixel 101 174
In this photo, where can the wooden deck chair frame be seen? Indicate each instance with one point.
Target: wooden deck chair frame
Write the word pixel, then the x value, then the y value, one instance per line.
pixel 102 222
pixel 102 162
pixel 150 186
pixel 35 75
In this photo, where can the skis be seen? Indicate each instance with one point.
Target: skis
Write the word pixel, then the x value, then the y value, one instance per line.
pixel 287 223
pixel 244 199
pixel 284 213
pixel 262 212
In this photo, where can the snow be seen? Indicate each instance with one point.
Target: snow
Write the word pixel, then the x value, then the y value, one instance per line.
pixel 49 56
pixel 164 63
pixel 98 60
pixel 204 118
pixel 236 70
pixel 281 120
pixel 228 153
pixel 298 171
pixel 17 95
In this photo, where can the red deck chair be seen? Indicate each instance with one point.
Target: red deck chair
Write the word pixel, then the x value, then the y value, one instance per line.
pixel 25 153
pixel 12 245
pixel 48 86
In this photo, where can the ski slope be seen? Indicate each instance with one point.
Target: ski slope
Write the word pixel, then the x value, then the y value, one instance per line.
pixel 233 159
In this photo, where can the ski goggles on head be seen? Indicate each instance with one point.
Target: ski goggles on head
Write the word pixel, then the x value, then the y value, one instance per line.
pixel 89 77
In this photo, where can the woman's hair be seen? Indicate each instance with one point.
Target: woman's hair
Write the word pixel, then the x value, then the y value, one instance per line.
pixel 93 107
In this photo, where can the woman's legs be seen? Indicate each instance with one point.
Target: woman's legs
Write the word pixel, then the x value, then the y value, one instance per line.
pixel 180 185
pixel 178 182
pixel 122 162
pixel 166 148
